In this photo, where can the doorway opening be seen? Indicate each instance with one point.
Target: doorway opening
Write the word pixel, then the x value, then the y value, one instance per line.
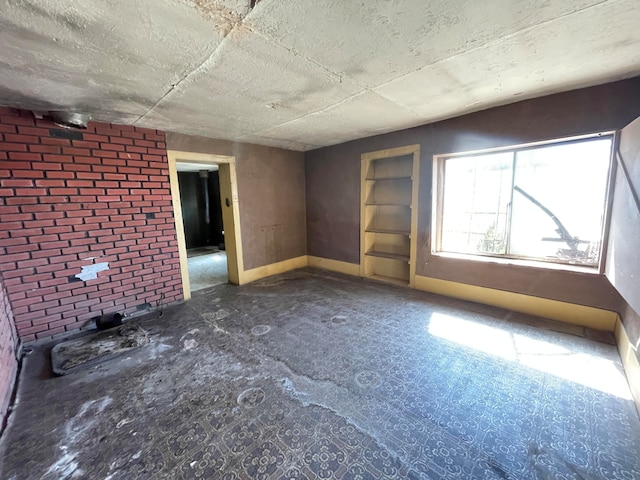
pixel 204 194
pixel 202 222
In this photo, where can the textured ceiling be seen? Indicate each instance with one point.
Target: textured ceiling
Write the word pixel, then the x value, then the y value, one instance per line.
pixel 301 74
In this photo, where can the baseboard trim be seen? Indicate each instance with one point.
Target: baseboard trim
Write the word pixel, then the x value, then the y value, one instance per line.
pixel 334 265
pixel 572 313
pixel 629 361
pixel 566 312
pixel 273 269
pixel 300 262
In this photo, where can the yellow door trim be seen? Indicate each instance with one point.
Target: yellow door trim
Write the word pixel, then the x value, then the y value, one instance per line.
pixel 231 213
pixel 415 189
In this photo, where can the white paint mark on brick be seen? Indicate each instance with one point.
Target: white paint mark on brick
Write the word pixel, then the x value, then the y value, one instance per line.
pixel 90 272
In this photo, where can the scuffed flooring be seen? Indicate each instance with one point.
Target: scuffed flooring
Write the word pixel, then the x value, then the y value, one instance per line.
pixel 316 375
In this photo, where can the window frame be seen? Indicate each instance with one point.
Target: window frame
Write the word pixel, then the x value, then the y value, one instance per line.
pixel 437 206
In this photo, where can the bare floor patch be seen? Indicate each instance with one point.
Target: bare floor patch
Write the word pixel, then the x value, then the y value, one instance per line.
pixel 212 317
pixel 67 357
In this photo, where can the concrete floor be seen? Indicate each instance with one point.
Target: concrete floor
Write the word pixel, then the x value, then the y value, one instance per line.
pixel 317 375
pixel 206 269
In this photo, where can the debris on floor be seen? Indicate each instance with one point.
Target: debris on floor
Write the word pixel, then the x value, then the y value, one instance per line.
pixel 72 355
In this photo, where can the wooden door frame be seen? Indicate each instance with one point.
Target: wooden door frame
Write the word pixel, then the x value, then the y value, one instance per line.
pixel 230 212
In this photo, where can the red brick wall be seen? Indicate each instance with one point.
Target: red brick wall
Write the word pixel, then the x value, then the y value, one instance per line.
pixel 8 345
pixel 71 198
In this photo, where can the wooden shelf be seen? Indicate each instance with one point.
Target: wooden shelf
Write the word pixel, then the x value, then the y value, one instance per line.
pixel 391 256
pixel 395 281
pixel 388 231
pixel 388 196
pixel 382 179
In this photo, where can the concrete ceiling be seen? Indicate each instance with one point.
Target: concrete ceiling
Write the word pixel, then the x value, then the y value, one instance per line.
pixel 301 74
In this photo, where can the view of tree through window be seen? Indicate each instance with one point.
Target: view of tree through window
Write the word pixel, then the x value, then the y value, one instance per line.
pixel 545 202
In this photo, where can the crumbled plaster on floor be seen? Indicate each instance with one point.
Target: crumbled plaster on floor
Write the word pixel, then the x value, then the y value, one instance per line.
pixel 75 433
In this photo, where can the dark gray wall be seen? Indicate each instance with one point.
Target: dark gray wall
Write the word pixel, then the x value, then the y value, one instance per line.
pixel 333 185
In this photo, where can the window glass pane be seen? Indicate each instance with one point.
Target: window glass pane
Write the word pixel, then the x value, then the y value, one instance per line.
pixel 567 181
pixel 476 194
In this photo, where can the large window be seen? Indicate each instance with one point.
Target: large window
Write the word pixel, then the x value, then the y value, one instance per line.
pixel 544 202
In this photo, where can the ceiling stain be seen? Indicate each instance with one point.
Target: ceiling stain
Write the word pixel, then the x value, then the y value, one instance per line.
pixel 298 74
pixel 223 17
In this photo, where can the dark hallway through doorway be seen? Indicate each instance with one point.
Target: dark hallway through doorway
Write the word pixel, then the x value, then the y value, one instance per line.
pixel 203 226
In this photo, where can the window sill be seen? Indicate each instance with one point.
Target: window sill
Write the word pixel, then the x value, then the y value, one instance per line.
pixel 520 263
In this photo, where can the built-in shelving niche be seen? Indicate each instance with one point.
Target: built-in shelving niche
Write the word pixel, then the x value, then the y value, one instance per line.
pixel 388 214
